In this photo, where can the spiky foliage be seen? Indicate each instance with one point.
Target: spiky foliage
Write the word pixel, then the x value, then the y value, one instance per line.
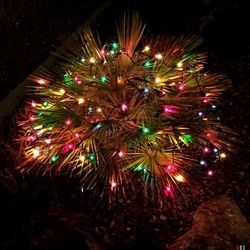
pixel 125 110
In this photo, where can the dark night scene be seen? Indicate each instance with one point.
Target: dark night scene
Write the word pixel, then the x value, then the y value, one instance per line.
pixel 124 125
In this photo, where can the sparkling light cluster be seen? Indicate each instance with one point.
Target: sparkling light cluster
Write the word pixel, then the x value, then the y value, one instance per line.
pixel 120 111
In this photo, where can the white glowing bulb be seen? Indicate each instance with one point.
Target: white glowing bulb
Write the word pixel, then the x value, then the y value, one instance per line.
pixel 80 101
pixel 82 60
pixel 92 60
pixel 147 48
pixel 48 141
pixel 179 64
pixel 41 81
pixel 113 184
pixel 202 162
pixel 99 110
pixel 36 153
pixel 157 79
pixel 62 91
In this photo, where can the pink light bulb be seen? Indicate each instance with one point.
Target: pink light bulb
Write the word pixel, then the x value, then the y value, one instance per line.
pixel 206 149
pixel 33 104
pixel 33 137
pixel 169 167
pixel 77 135
pixel 68 122
pixel 181 86
pixel 31 117
pixel 121 154
pixel 76 78
pixel 210 172
pixel 124 107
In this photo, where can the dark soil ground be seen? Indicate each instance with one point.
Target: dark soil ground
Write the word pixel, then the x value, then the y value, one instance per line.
pixel 52 212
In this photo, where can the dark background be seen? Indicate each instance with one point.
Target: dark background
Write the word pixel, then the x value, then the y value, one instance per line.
pixel 31 29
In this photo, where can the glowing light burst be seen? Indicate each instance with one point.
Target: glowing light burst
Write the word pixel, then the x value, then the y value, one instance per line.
pixel 146 111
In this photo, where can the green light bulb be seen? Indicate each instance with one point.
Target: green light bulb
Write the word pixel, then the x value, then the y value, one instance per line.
pixel 145 130
pixel 91 157
pixel 103 79
pixel 54 158
pixel 147 64
pixel 45 104
pixel 115 45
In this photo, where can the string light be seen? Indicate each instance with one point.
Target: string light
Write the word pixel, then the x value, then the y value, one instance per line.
pixel 36 152
pixel 206 149
pixel 179 64
pixel 99 110
pixel 145 130
pixel 91 157
pixel 33 104
pixel 158 56
pixel 157 79
pixel 179 178
pixel 81 100
pixel 210 172
pixel 121 154
pixel 181 86
pixel 82 158
pixel 124 107
pixel 146 48
pixel 92 60
pixel 41 81
pixel 33 137
pixel 62 91
pixel 202 162
pixel 68 122
pixel 54 158
pixel 48 141
pixel 223 155
pixel 146 90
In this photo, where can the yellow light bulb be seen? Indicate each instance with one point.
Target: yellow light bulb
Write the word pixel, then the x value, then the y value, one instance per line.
pixel 179 178
pixel 119 79
pixel 146 48
pixel 223 155
pixel 36 153
pixel 179 64
pixel 99 110
pixel 157 79
pixel 80 101
pixel 92 60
